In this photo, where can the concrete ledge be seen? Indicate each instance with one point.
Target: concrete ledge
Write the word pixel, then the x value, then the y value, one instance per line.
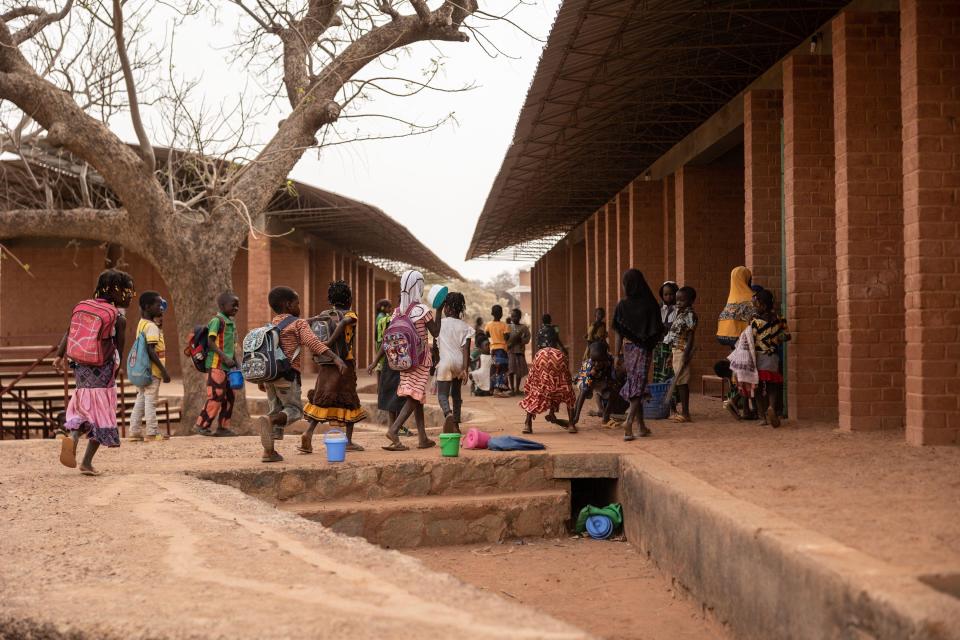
pixel 765 576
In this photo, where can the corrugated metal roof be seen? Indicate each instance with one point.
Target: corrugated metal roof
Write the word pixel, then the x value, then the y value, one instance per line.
pixel 619 83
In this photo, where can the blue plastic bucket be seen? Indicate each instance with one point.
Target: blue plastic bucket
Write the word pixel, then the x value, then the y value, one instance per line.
pixel 655 408
pixel 336 444
pixel 599 527
pixel 236 379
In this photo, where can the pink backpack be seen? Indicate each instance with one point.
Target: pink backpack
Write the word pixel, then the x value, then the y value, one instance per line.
pixel 90 339
pixel 401 343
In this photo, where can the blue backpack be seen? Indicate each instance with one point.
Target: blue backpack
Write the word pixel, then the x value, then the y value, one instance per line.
pixel 139 369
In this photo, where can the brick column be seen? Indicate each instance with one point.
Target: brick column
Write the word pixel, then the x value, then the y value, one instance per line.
pixel 610 278
pixel 600 258
pixel 762 110
pixel 578 314
pixel 866 93
pixel 624 236
pixel 669 228
pixel 810 238
pixel 258 282
pixel 709 245
pixel 558 291
pixel 362 305
pixel 590 265
pixel 930 49
pixel 647 231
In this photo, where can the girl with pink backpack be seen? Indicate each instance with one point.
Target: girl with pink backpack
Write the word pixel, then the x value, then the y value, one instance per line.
pixel 92 346
pixel 406 350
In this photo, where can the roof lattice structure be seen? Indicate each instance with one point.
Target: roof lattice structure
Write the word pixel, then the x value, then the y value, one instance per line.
pixel 619 83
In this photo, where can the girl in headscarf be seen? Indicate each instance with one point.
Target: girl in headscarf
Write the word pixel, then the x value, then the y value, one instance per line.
pixel 739 311
pixel 413 382
pixel 639 327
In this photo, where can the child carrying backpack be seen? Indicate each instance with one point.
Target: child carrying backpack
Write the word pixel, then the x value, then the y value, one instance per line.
pixel 146 367
pixel 92 345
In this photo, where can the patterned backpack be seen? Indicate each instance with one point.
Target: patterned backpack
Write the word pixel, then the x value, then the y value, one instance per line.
pixel 401 343
pixel 90 338
pixel 263 359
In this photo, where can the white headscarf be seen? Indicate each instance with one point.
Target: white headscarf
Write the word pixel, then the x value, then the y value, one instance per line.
pixel 411 292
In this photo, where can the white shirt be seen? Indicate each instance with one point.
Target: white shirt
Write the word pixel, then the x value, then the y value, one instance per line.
pixel 481 377
pixel 454 333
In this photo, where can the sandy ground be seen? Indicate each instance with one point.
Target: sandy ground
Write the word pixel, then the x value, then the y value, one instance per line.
pixel 146 549
pixel 605 587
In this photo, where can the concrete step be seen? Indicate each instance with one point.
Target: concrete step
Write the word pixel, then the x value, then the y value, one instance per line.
pixel 427 521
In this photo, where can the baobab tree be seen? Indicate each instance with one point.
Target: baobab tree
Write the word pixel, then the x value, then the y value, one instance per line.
pixel 64 70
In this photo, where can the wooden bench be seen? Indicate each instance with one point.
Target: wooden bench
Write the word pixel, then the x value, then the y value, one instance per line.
pixel 711 379
pixel 37 401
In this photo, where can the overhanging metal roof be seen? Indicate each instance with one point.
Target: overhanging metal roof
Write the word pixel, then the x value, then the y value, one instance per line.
pixel 348 224
pixel 619 83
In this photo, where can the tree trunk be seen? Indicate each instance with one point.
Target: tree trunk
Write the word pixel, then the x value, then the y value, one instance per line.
pixel 197 271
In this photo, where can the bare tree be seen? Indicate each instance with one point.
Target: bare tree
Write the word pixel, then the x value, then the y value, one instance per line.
pixel 66 70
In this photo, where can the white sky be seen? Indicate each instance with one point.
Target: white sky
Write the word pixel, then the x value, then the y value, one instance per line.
pixel 436 183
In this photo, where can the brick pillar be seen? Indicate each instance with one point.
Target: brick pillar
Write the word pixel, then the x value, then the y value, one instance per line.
pixel 930 49
pixel 572 333
pixel 362 305
pixel 646 230
pixel 609 243
pixel 258 282
pixel 762 110
pixel 624 235
pixel 869 179
pixel 393 290
pixel 590 265
pixel 669 228
pixel 557 286
pixel 810 238
pixel 599 248
pixel 709 245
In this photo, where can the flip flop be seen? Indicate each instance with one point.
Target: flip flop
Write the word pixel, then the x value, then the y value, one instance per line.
pixel 629 438
pixel 430 444
pixel 351 446
pixel 527 430
pixel 272 456
pixel 396 446
pixel 305 446
pixel 68 453
pixel 91 472
pixel 572 429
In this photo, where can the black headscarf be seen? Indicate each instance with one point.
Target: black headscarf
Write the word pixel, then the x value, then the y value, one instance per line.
pixel 637 317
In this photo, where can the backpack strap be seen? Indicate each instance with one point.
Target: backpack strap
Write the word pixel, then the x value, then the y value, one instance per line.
pixel 283 324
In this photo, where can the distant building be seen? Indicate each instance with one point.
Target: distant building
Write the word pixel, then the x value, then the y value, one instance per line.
pixel 522 293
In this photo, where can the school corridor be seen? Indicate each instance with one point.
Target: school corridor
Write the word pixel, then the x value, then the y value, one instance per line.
pixel 815 142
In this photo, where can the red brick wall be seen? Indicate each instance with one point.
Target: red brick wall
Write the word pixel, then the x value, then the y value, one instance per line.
pixel 810 237
pixel 556 286
pixel 624 236
pixel 600 266
pixel 869 219
pixel 669 228
pixel 259 281
pixel 762 110
pixel 646 230
pixel 709 218
pixel 610 278
pixel 930 46
pixel 590 264
pixel 578 315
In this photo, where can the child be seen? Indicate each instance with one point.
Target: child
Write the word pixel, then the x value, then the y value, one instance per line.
pixel 222 341
pixel 480 376
pixel 595 376
pixel 283 394
pixel 145 407
pixel 517 341
pixel 639 329
pixel 547 387
pixel 387 379
pixel 334 398
pixel 595 331
pixel 93 406
pixel 681 339
pixel 769 332
pixel 454 344
pixel 549 334
pixel 496 331
pixel 662 353
pixel 413 382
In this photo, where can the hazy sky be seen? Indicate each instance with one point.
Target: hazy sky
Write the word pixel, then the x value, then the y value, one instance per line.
pixel 435 183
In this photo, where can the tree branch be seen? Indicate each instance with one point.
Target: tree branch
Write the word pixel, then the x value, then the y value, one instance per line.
pixel 297 40
pixel 39 24
pixel 146 149
pixel 102 225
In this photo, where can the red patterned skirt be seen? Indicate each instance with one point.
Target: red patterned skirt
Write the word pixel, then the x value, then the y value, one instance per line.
pixel 548 385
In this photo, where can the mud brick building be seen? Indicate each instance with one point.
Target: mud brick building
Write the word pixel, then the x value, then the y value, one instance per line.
pixel 816 142
pixel 313 238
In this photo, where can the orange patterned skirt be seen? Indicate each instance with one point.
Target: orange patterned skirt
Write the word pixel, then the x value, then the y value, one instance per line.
pixel 548 385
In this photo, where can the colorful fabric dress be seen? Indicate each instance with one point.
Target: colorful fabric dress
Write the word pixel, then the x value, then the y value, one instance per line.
pixel 334 397
pixel 768 335
pixel 548 385
pixel 637 320
pixel 93 407
pixel 413 382
pixel 663 353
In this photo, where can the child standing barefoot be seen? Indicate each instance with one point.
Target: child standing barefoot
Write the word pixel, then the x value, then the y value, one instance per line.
pixel 93 408
pixel 454 343
pixel 334 398
pixel 413 382
pixel 639 328
pixel 681 338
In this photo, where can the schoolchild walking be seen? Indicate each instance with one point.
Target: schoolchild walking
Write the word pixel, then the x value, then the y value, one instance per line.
pixel 91 347
pixel 221 358
pixel 497 331
pixel 454 344
pixel 152 307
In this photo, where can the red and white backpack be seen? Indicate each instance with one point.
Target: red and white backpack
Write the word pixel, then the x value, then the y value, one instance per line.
pixel 90 339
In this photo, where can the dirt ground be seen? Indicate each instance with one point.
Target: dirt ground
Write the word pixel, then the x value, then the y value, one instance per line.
pixel 604 587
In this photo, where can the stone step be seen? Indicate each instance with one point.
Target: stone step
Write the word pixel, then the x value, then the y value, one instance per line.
pixel 427 521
